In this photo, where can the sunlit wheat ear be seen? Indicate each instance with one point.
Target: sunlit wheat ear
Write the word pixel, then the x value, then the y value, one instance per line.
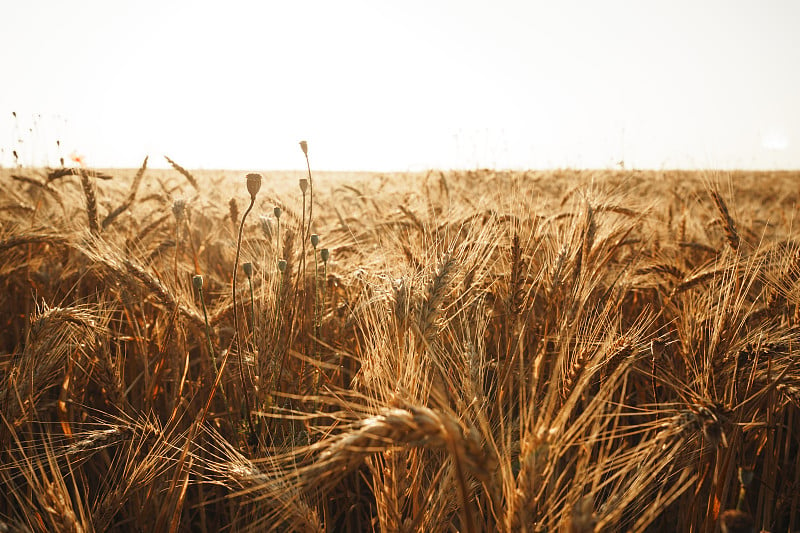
pixel 91 202
pixel 56 501
pixel 233 211
pixel 410 426
pixel 185 173
pixel 266 226
pixel 731 233
pixel 429 309
pixel 179 210
pixel 135 271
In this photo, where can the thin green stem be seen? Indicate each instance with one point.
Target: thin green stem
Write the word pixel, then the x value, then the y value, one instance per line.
pixel 311 198
pixel 252 310
pixel 317 320
pixel 316 295
pixel 302 271
pixel 236 319
pixel 324 284
pixel 211 351
pixel 208 333
pixel 278 238
pixel 177 249
pixel 278 321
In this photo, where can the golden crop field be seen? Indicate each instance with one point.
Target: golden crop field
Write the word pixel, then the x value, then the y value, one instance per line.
pixel 443 351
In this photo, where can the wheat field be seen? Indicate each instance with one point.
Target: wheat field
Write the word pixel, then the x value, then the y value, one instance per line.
pixel 443 351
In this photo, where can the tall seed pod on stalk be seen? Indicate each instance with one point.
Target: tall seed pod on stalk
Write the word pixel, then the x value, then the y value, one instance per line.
pixel 303 184
pixel 305 229
pixel 253 186
pixel 281 270
pixel 304 148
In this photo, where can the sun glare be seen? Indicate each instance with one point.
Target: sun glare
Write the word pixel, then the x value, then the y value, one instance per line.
pixel 775 140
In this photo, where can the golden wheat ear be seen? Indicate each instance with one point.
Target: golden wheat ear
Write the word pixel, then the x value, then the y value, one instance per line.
pixel 731 233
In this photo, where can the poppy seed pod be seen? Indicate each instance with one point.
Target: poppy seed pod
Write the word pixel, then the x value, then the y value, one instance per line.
pixel 178 208
pixel 253 184
pixel 282 265
pixel 304 147
pixel 248 269
pixel 314 240
pixel 325 254
pixel 277 211
pixel 197 282
pixel 303 184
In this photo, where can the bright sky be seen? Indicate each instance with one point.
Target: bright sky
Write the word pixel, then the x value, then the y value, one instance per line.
pixel 411 85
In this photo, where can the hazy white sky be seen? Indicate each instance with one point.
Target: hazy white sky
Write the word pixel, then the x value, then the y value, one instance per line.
pixel 416 84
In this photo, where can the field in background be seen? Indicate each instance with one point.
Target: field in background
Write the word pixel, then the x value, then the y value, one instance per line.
pixel 539 351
